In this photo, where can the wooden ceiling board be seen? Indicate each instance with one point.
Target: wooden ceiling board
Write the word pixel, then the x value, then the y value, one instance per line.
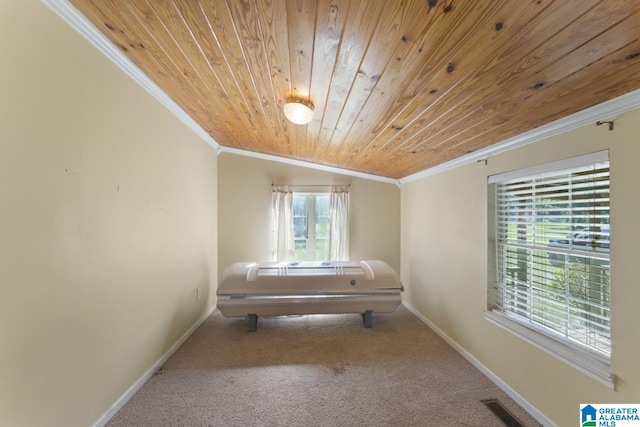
pixel 398 86
pixel 149 53
pixel 177 54
pixel 249 32
pixel 398 70
pixel 392 31
pixel 329 27
pixel 234 41
pixel 546 109
pixel 507 105
pixel 301 23
pixel 276 42
pixel 361 21
pixel 211 60
pixel 447 116
pixel 442 74
pixel 429 135
pixel 464 97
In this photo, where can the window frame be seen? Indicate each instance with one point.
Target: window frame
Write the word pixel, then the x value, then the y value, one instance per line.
pixel 311 239
pixel 595 364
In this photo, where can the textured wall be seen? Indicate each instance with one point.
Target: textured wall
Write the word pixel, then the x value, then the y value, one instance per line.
pixel 444 267
pixel 108 225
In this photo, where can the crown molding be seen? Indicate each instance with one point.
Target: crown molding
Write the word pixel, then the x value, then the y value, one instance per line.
pixel 308 165
pixel 86 29
pixel 616 106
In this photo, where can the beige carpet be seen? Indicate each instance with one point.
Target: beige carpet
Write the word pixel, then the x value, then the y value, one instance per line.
pixel 316 371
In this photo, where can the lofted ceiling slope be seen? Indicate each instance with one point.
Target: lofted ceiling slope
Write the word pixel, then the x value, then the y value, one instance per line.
pixel 399 86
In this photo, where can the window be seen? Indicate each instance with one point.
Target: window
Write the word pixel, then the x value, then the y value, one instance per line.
pixel 550 233
pixel 311 226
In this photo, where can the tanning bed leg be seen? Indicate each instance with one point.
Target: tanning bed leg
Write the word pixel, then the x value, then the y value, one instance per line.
pixel 253 322
pixel 367 316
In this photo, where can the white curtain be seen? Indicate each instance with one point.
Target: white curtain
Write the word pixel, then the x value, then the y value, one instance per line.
pixel 282 210
pixel 339 224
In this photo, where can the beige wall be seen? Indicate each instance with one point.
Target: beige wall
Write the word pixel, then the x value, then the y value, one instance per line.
pixel 444 267
pixel 244 210
pixel 107 225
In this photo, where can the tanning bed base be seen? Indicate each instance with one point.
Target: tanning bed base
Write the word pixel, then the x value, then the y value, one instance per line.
pixel 274 289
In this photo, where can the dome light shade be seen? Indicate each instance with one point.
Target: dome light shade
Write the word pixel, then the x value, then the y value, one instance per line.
pixel 298 111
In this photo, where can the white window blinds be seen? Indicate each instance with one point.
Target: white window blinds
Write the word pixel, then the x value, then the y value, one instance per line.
pixel 552 236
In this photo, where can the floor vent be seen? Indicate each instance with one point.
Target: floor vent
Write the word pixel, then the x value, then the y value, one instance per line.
pixel 501 412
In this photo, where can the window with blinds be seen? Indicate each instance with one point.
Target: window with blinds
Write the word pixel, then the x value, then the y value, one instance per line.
pixel 552 237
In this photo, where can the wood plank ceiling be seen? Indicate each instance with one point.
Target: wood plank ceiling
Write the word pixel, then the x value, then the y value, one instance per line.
pixel 398 85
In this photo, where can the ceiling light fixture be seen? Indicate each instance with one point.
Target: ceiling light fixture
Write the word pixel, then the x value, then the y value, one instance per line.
pixel 298 111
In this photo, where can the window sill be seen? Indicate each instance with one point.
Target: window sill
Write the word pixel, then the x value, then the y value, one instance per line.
pixel 574 357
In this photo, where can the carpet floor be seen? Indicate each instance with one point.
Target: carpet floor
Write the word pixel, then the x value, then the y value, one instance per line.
pixel 317 370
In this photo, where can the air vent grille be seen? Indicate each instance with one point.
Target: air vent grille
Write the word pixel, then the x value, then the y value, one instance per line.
pixel 501 412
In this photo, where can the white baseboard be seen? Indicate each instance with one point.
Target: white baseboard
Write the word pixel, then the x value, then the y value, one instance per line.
pixel 475 362
pixel 104 419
